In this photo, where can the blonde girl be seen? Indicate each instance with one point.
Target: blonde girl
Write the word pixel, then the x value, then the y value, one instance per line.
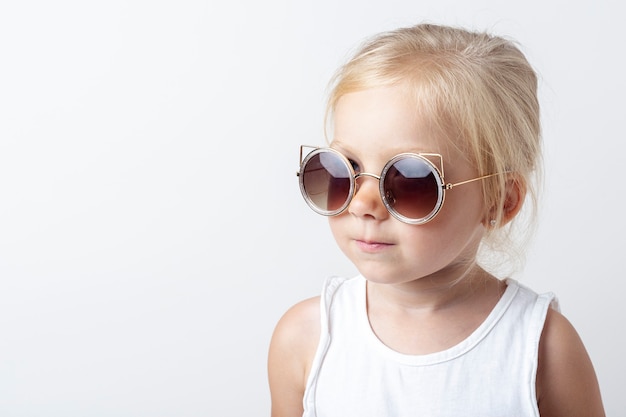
pixel 435 149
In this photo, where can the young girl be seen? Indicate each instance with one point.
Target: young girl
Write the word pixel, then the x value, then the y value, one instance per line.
pixel 436 141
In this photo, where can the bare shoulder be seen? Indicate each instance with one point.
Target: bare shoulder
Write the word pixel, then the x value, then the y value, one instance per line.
pixel 298 329
pixel 566 381
pixel 291 353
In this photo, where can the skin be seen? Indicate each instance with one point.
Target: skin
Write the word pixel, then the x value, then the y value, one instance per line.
pixel 420 279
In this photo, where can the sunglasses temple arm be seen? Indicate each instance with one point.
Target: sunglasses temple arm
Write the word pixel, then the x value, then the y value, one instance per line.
pixel 450 185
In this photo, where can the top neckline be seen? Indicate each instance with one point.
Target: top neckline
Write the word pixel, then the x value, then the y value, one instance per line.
pixel 442 356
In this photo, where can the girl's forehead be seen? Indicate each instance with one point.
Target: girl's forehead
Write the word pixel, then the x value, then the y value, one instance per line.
pixel 383 107
pixel 387 119
pixel 393 119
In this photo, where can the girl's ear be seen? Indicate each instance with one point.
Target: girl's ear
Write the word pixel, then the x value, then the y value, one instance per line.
pixel 514 199
pixel 515 194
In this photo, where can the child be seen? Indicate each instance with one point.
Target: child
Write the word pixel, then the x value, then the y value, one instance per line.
pixel 436 139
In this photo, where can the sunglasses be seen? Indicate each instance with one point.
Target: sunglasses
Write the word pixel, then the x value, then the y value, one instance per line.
pixel 411 186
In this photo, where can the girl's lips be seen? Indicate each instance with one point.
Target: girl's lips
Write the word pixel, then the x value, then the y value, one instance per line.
pixel 372 247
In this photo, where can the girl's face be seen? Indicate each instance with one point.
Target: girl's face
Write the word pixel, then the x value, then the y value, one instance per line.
pixel 371 127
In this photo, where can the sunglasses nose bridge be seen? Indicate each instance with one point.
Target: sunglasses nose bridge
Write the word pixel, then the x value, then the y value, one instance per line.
pixel 366 198
pixel 366 174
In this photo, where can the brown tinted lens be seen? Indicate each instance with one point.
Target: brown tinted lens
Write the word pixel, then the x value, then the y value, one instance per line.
pixel 411 188
pixel 326 181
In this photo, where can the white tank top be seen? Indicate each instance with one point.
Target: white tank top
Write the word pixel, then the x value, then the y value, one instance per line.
pixel 489 374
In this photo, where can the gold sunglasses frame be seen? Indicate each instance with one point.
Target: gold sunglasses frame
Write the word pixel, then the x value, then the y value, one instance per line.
pixel 440 179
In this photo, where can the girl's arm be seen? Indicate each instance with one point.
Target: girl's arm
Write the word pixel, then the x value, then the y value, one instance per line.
pixel 566 381
pixel 291 353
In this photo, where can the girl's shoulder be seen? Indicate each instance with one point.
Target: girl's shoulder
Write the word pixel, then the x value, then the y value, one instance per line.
pixel 292 349
pixel 300 320
pixel 566 381
pixel 298 330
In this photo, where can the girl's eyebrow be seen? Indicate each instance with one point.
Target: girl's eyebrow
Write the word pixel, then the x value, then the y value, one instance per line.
pixel 334 143
pixel 338 146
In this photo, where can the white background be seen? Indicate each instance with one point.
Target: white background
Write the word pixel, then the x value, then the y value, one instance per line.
pixel 151 227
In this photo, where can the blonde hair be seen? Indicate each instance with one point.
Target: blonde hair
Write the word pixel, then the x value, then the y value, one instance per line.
pixel 479 89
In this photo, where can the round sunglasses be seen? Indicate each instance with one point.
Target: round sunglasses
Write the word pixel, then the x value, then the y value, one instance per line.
pixel 411 186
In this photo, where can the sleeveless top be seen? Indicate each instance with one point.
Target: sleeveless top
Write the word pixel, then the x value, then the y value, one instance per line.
pixel 490 374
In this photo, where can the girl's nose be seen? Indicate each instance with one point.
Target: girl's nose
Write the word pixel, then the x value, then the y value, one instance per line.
pixel 367 201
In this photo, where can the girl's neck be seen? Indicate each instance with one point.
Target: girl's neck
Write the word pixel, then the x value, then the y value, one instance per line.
pixel 433 293
pixel 422 317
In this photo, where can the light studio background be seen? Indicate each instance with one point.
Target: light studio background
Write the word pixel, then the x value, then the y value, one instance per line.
pixel 151 227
